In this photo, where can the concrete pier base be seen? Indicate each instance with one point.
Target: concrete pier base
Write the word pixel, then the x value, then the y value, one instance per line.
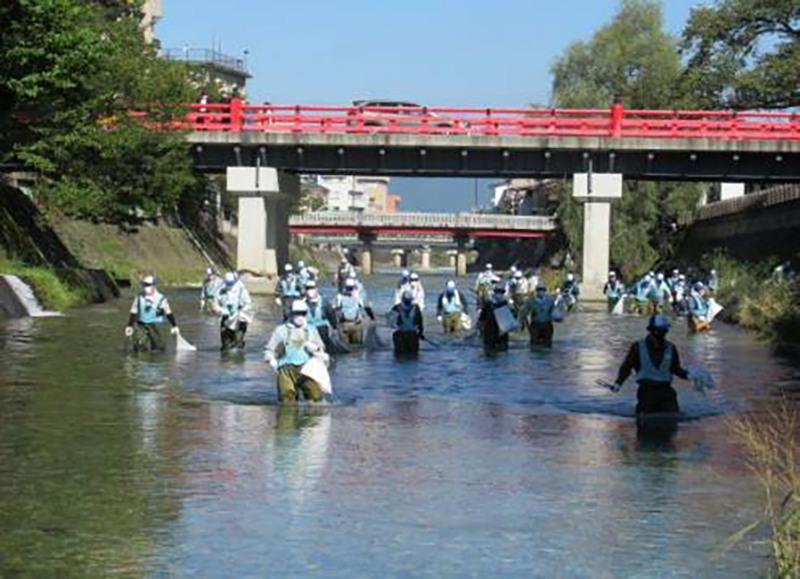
pixel 596 191
pixel 262 246
pixel 426 259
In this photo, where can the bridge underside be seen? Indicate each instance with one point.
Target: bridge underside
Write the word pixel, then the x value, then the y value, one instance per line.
pixel 453 156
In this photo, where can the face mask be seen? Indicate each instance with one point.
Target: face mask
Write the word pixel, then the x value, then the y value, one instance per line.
pixel 150 290
pixel 312 294
pixel 299 321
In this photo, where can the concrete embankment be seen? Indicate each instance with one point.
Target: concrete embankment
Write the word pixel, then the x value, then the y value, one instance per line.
pixel 69 263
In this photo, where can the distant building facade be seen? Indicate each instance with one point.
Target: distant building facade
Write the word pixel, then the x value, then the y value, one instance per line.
pixel 526 196
pixel 365 194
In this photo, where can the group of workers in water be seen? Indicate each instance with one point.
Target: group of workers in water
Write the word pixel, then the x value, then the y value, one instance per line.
pixel 315 327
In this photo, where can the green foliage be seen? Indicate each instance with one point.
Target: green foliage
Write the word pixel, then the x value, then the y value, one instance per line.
pixel 634 59
pixel 743 54
pixel 70 73
pixel 53 293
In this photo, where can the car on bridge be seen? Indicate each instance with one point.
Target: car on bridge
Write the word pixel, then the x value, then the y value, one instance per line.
pixel 389 113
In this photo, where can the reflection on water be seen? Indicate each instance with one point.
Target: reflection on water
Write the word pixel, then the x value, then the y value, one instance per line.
pixel 457 463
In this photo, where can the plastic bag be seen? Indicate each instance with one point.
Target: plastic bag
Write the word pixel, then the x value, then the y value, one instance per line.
pixel 506 322
pixel 466 322
pixel 701 378
pixel 619 308
pixel 713 309
pixel 182 345
pixel 316 369
pixel 559 310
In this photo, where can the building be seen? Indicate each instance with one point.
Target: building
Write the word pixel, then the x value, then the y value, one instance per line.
pixel 151 14
pixel 351 193
pixel 526 196
pixel 228 72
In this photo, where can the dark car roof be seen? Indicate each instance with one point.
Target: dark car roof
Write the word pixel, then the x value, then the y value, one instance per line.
pixel 383 103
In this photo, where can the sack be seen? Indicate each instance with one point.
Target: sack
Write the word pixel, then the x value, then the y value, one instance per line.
pixel 619 307
pixel 559 310
pixel 506 322
pixel 316 369
pixel 466 322
pixel 713 310
pixel 182 345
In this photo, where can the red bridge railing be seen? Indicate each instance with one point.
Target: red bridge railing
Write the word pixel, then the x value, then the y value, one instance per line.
pixel 615 122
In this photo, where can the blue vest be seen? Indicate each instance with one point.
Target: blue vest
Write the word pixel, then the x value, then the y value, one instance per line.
pixel 294 351
pixel 648 371
pixel 614 290
pixel 406 319
pixel 316 314
pixel 542 310
pixel 697 305
pixel 229 300
pixel 451 304
pixel 288 287
pixel 350 307
pixel 149 309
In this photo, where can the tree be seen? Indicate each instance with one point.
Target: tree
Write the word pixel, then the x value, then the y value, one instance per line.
pixel 744 54
pixel 633 59
pixel 70 73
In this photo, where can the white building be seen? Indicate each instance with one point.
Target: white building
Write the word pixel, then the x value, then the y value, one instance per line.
pixel 351 193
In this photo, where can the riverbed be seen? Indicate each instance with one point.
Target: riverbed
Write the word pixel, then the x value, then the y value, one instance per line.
pixel 457 463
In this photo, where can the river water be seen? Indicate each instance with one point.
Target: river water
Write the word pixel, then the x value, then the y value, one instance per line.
pixel 454 464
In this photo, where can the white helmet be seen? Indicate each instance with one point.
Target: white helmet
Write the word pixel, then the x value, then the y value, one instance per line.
pixel 660 277
pixel 518 274
pixel 288 267
pixel 451 285
pixel 570 277
pixel 301 264
pixel 612 274
pixel 230 278
pixel 489 266
pixel 406 273
pixel 149 280
pixel 299 307
pixel 414 276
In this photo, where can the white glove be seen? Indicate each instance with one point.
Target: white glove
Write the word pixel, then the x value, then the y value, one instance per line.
pixel 278 301
pixel 175 331
pixel 439 318
pixel 273 363
pixel 128 331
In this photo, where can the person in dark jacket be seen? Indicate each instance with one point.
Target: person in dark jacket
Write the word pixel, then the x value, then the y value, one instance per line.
pixel 406 320
pixel 493 337
pixel 655 361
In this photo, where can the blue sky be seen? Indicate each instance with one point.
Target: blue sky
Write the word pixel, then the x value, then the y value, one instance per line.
pixel 436 52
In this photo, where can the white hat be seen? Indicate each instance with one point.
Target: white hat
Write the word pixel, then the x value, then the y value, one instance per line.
pixel 660 277
pixel 230 278
pixel 489 266
pixel 299 307
pixel 518 274
pixel 406 273
pixel 414 276
pixel 570 277
pixel 149 280
pixel 451 285
pixel 301 264
pixel 288 267
pixel 612 274
pixel 351 282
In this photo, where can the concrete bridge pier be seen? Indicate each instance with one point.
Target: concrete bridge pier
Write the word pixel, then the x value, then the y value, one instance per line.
pixel 366 253
pixel 263 242
pixel 400 258
pixel 596 191
pixel 461 257
pixel 425 265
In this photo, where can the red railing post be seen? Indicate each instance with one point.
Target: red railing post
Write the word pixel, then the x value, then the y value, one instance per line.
pixel 617 112
pixel 236 114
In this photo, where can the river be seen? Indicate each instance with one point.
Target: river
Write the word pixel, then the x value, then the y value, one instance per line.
pixel 453 464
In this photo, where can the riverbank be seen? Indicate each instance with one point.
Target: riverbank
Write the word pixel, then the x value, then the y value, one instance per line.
pixel 755 298
pixel 69 263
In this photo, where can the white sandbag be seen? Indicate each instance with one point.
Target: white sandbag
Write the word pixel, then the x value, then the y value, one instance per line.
pixel 182 345
pixel 701 378
pixel 506 322
pixel 713 309
pixel 619 308
pixel 316 369
pixel 466 322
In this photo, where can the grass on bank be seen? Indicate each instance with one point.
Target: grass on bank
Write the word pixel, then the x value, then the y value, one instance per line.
pixel 53 293
pixel 770 443
pixel 756 300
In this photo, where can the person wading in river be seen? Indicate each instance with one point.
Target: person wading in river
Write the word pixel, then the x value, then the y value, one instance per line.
pixel 655 360
pixel 406 321
pixel 291 345
pixel 235 309
pixel 148 311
